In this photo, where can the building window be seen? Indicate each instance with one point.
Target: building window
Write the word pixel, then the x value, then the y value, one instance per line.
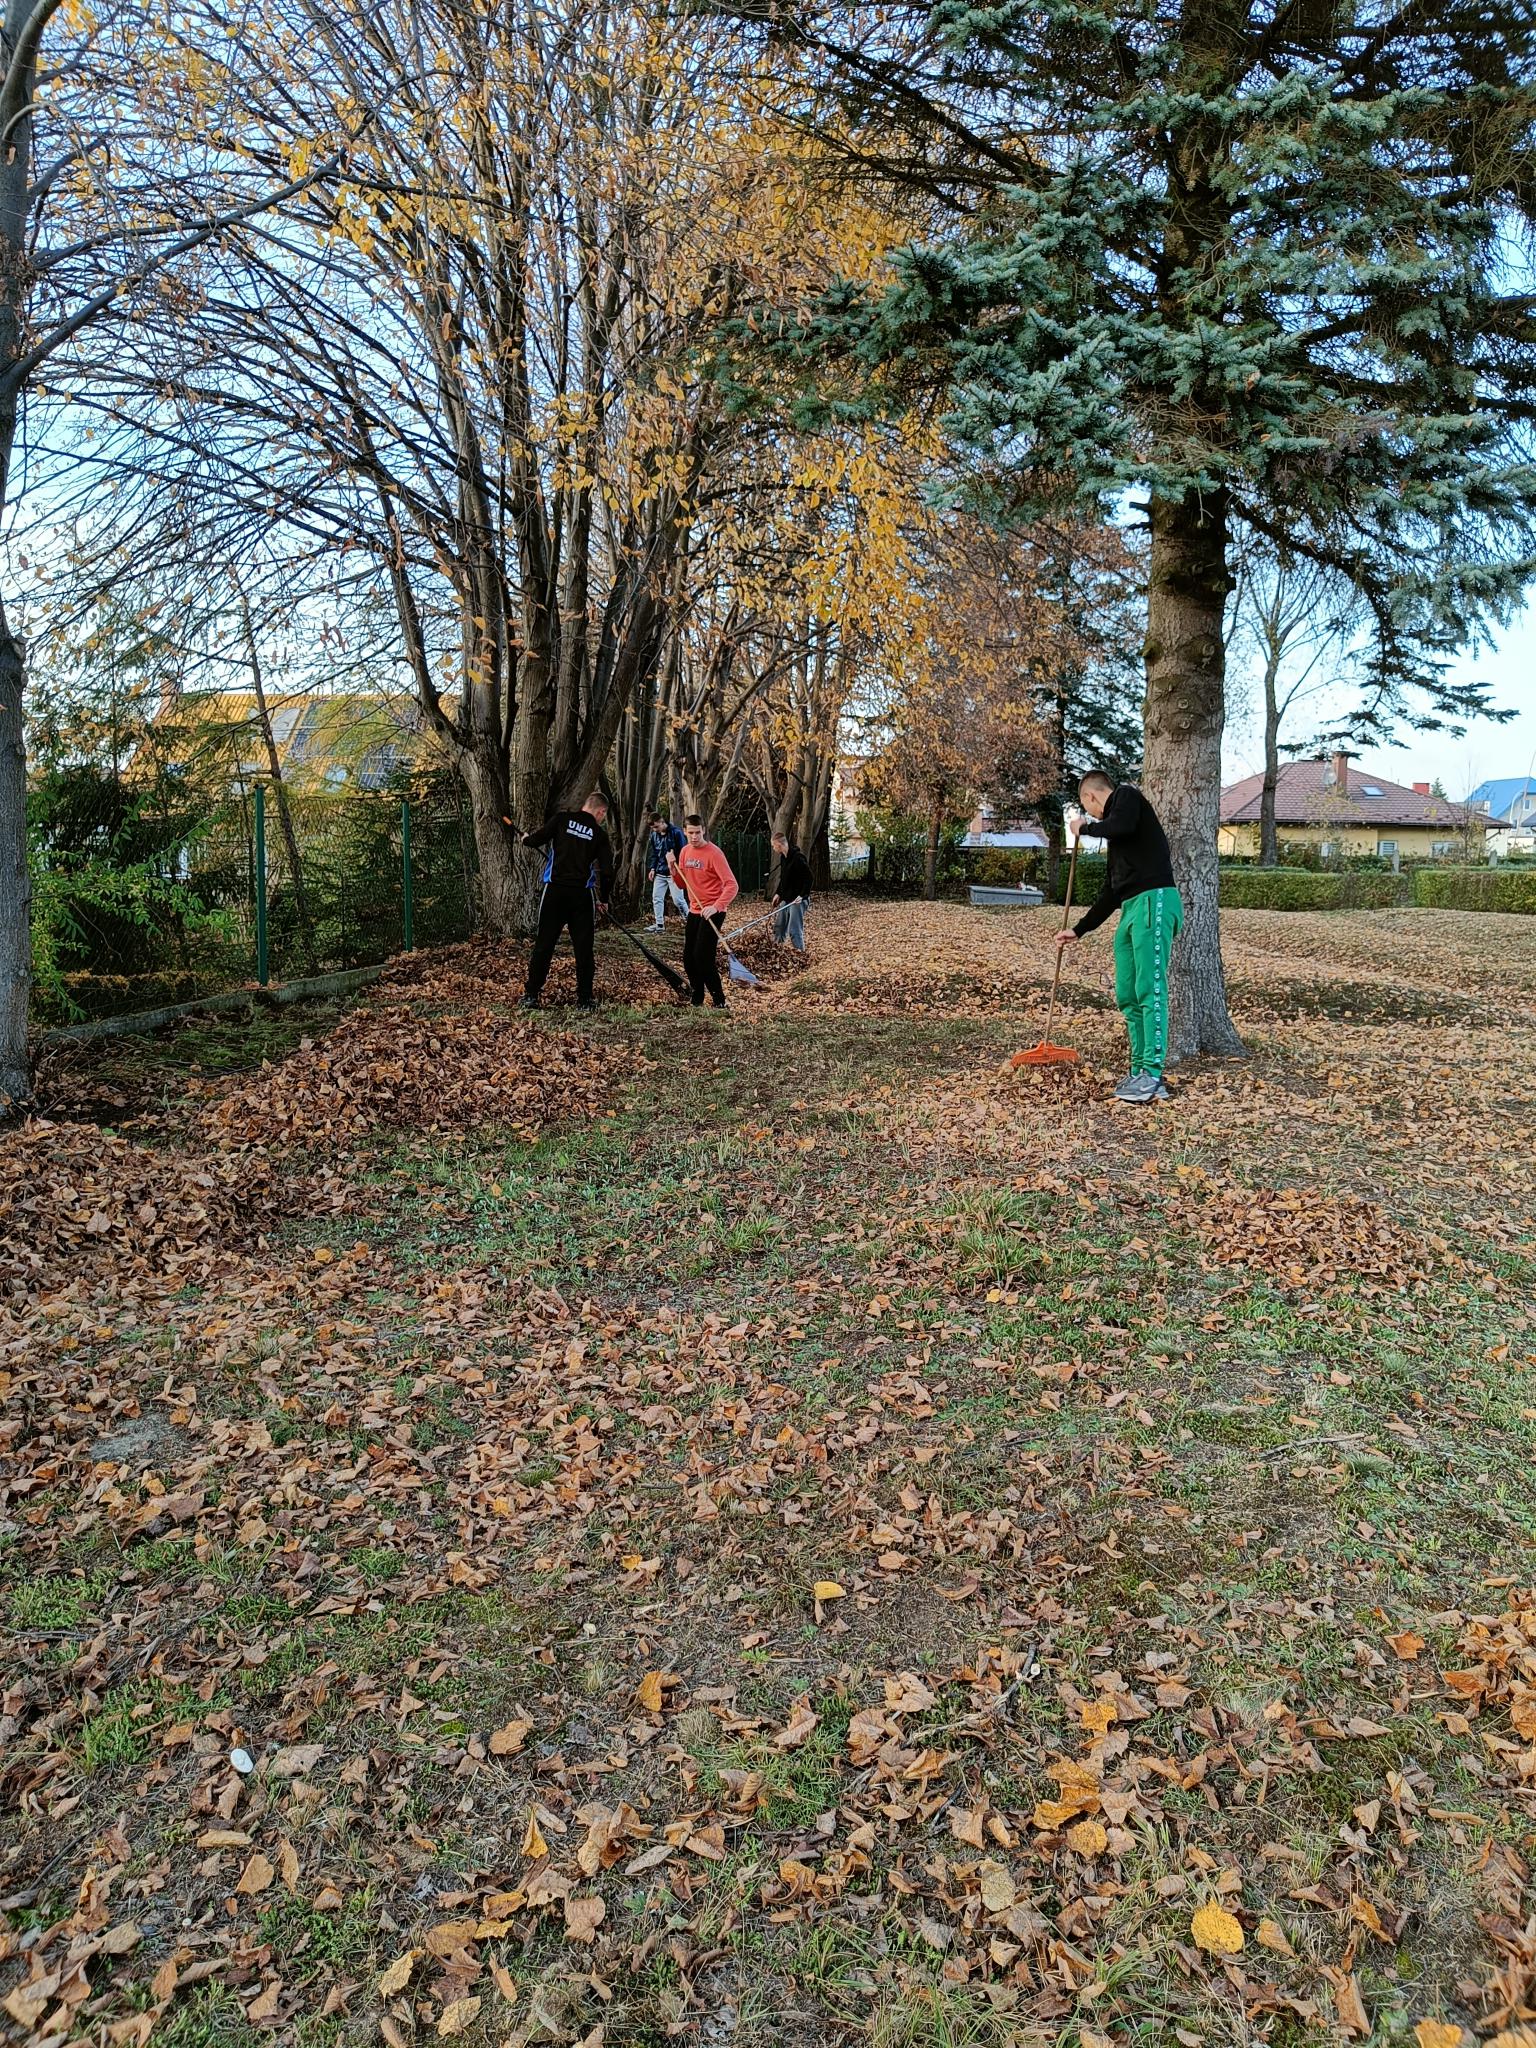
pixel 1387 846
pixel 1370 789
pixel 1440 848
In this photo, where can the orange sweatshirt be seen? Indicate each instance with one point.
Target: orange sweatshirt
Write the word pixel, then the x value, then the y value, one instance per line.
pixel 707 877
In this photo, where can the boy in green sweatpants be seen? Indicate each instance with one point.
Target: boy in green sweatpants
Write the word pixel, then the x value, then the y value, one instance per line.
pixel 1140 885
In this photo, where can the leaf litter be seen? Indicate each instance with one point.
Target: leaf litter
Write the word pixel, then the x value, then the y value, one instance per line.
pixel 605 1651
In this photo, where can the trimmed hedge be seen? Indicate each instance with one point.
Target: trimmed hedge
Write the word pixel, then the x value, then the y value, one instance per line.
pixel 1475 889
pixel 1302 889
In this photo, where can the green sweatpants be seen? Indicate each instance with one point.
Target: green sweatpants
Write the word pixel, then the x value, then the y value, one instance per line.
pixel 1144 938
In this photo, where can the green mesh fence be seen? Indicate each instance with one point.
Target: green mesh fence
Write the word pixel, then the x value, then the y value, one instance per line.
pixel 336 887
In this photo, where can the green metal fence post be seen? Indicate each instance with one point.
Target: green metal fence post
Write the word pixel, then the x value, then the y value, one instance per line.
pixel 261 885
pixel 407 904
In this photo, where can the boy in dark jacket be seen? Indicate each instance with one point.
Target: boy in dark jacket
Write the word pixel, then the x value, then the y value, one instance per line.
pixel 791 892
pixel 664 842
pixel 578 878
pixel 1140 885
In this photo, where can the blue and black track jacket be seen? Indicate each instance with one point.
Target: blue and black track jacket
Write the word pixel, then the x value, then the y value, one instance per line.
pixel 579 856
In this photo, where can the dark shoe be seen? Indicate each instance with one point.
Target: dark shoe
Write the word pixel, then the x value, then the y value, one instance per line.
pixel 529 1003
pixel 586 1006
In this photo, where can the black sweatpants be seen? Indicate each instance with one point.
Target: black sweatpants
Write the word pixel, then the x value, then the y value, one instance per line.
pixel 701 956
pixel 560 908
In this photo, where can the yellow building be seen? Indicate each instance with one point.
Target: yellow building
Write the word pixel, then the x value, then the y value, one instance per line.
pixel 337 743
pixel 1342 811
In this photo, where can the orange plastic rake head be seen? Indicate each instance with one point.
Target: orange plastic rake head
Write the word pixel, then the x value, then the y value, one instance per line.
pixel 1046 1055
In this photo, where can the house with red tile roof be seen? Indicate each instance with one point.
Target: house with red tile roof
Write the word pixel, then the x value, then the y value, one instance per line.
pixel 1341 810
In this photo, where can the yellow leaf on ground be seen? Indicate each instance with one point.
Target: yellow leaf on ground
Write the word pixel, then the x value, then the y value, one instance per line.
pixel 1270 1934
pixel 398 1975
pixel 827 1589
pixel 1406 1646
pixel 1513 2037
pixel 998 1890
pixel 508 1740
pixel 256 1876
pixel 448 1937
pixel 534 1844
pixel 504 1981
pixel 1437 2034
pixel 1216 1930
pixel 1098 1715
pixel 649 1692
pixel 1055 1813
pixel 1088 1838
pixel 457 2017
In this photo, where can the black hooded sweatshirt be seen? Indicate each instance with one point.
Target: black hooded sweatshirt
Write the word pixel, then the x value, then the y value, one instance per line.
pixel 1138 855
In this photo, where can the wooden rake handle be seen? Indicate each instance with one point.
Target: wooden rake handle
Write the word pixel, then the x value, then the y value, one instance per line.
pixel 1066 912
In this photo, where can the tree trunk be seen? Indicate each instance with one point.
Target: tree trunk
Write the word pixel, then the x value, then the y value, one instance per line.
pixel 1185 710
pixel 931 858
pixel 1269 844
pixel 508 872
pixel 1052 861
pixel 279 791
pixel 15 881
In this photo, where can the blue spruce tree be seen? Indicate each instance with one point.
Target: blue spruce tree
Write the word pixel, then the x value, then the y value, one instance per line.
pixel 1236 264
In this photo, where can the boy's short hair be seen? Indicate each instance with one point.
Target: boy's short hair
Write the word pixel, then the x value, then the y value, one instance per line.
pixel 658 817
pixel 693 818
pixel 596 797
pixel 778 839
pixel 1097 777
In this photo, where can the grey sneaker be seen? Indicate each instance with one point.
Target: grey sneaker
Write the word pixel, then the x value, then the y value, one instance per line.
pixel 1125 1091
pixel 1143 1088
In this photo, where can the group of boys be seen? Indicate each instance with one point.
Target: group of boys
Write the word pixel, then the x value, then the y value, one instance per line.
pixel 684 865
pixel 690 869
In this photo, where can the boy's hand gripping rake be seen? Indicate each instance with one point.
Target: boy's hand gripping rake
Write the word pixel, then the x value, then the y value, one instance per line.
pixel 1045 1054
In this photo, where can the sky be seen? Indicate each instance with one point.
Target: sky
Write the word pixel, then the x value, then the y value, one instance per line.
pixel 1483 753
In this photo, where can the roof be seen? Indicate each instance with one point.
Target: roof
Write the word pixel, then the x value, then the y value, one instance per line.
pixel 1304 797
pixel 1012 841
pixel 1496 797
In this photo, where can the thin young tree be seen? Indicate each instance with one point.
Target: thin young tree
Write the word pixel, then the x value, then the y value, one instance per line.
pixel 1301 624
pixel 1237 259
pixel 117 164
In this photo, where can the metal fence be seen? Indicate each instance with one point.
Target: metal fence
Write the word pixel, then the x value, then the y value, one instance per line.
pixel 275 886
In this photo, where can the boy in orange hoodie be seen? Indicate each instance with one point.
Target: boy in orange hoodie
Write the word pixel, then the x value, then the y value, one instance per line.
pixel 702 871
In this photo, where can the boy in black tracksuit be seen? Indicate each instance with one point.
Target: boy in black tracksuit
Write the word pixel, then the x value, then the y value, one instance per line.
pixel 578 870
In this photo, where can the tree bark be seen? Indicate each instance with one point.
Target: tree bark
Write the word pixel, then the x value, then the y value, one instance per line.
pixel 15 881
pixel 931 857
pixel 1185 711
pixel 508 871
pixel 279 788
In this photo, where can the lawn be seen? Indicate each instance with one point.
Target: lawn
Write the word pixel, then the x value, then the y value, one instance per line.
pixel 773 1529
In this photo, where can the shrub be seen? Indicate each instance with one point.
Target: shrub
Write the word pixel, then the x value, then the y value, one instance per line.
pixel 995 867
pixel 1475 889
pixel 1090 879
pixel 1302 889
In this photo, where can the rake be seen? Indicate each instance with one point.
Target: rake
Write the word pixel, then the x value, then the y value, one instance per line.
pixel 670 975
pixel 1045 1054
